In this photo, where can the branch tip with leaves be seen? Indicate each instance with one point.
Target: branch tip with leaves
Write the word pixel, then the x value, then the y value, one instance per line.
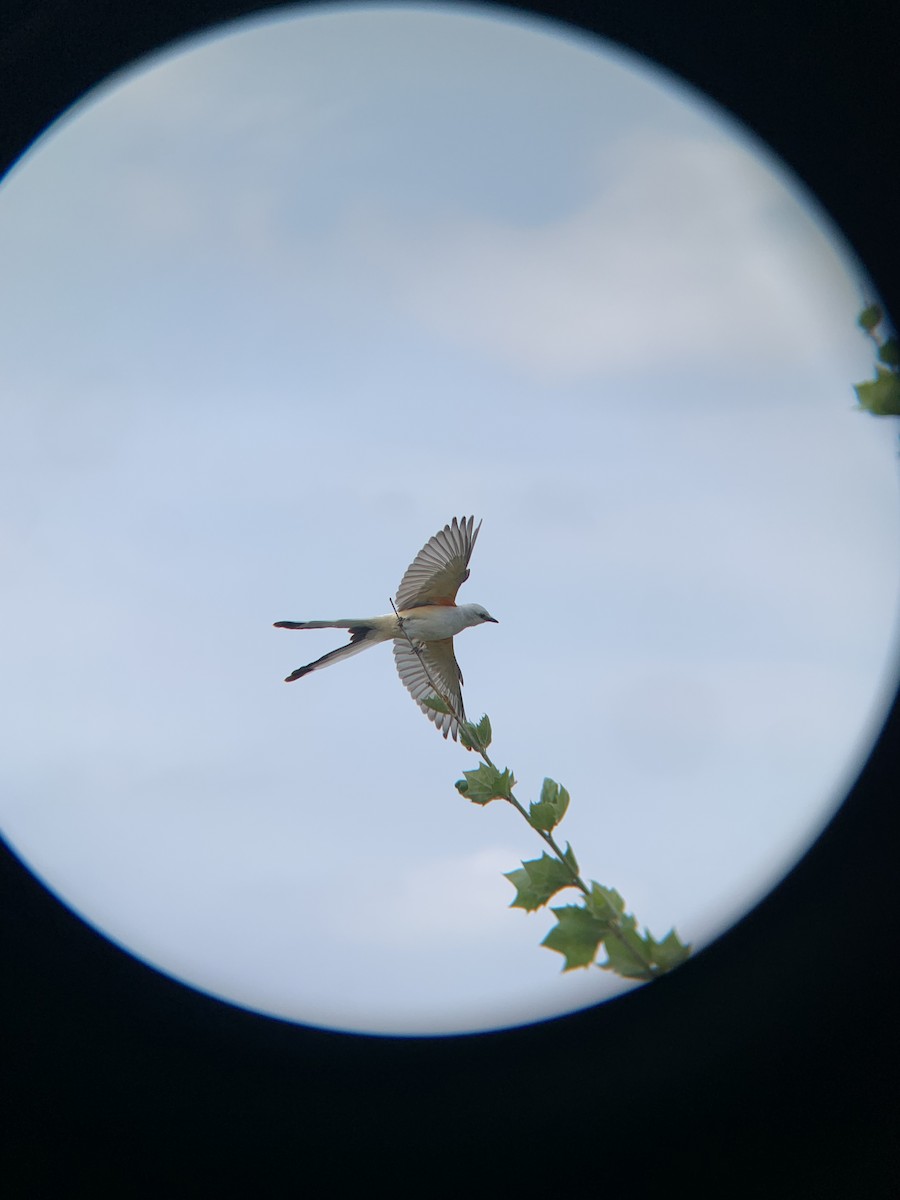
pixel 599 917
pixel 880 396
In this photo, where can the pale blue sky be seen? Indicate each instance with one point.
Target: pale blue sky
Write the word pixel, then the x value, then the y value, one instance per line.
pixel 275 308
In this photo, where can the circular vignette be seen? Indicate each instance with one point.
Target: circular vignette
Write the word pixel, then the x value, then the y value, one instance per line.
pixel 764 968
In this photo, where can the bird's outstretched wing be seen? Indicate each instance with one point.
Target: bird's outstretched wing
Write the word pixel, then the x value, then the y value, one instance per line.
pixel 441 566
pixel 437 660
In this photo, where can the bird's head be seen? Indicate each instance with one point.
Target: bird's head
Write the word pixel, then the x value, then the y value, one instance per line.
pixel 478 615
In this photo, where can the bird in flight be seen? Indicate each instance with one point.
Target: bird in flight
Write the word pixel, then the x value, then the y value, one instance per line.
pixel 423 625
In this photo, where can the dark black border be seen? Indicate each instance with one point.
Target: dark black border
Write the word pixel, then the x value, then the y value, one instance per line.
pixel 767 1066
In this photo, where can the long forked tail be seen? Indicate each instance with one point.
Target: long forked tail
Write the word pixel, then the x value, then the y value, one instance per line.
pixel 362 636
pixel 343 624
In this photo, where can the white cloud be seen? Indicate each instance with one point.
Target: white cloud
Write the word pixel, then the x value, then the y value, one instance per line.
pixel 690 250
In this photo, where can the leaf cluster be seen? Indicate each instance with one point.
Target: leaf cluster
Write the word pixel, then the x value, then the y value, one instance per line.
pixel 881 395
pixel 581 929
pixel 599 918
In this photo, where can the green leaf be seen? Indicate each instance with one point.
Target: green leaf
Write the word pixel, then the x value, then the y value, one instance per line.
pixel 628 955
pixel 547 813
pixel 436 703
pixel 550 793
pixel 576 936
pixel 881 396
pixel 670 952
pixel 569 856
pixel 889 352
pixel 605 903
pixel 869 317
pixel 485 784
pixel 476 736
pixel 537 880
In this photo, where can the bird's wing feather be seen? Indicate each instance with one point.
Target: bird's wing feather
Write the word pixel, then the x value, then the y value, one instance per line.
pixel 437 660
pixel 441 566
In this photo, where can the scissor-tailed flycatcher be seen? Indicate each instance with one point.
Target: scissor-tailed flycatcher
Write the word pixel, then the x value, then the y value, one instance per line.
pixel 423 627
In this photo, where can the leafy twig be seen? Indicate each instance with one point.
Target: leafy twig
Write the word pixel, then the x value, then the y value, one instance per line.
pixel 600 917
pixel 881 395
